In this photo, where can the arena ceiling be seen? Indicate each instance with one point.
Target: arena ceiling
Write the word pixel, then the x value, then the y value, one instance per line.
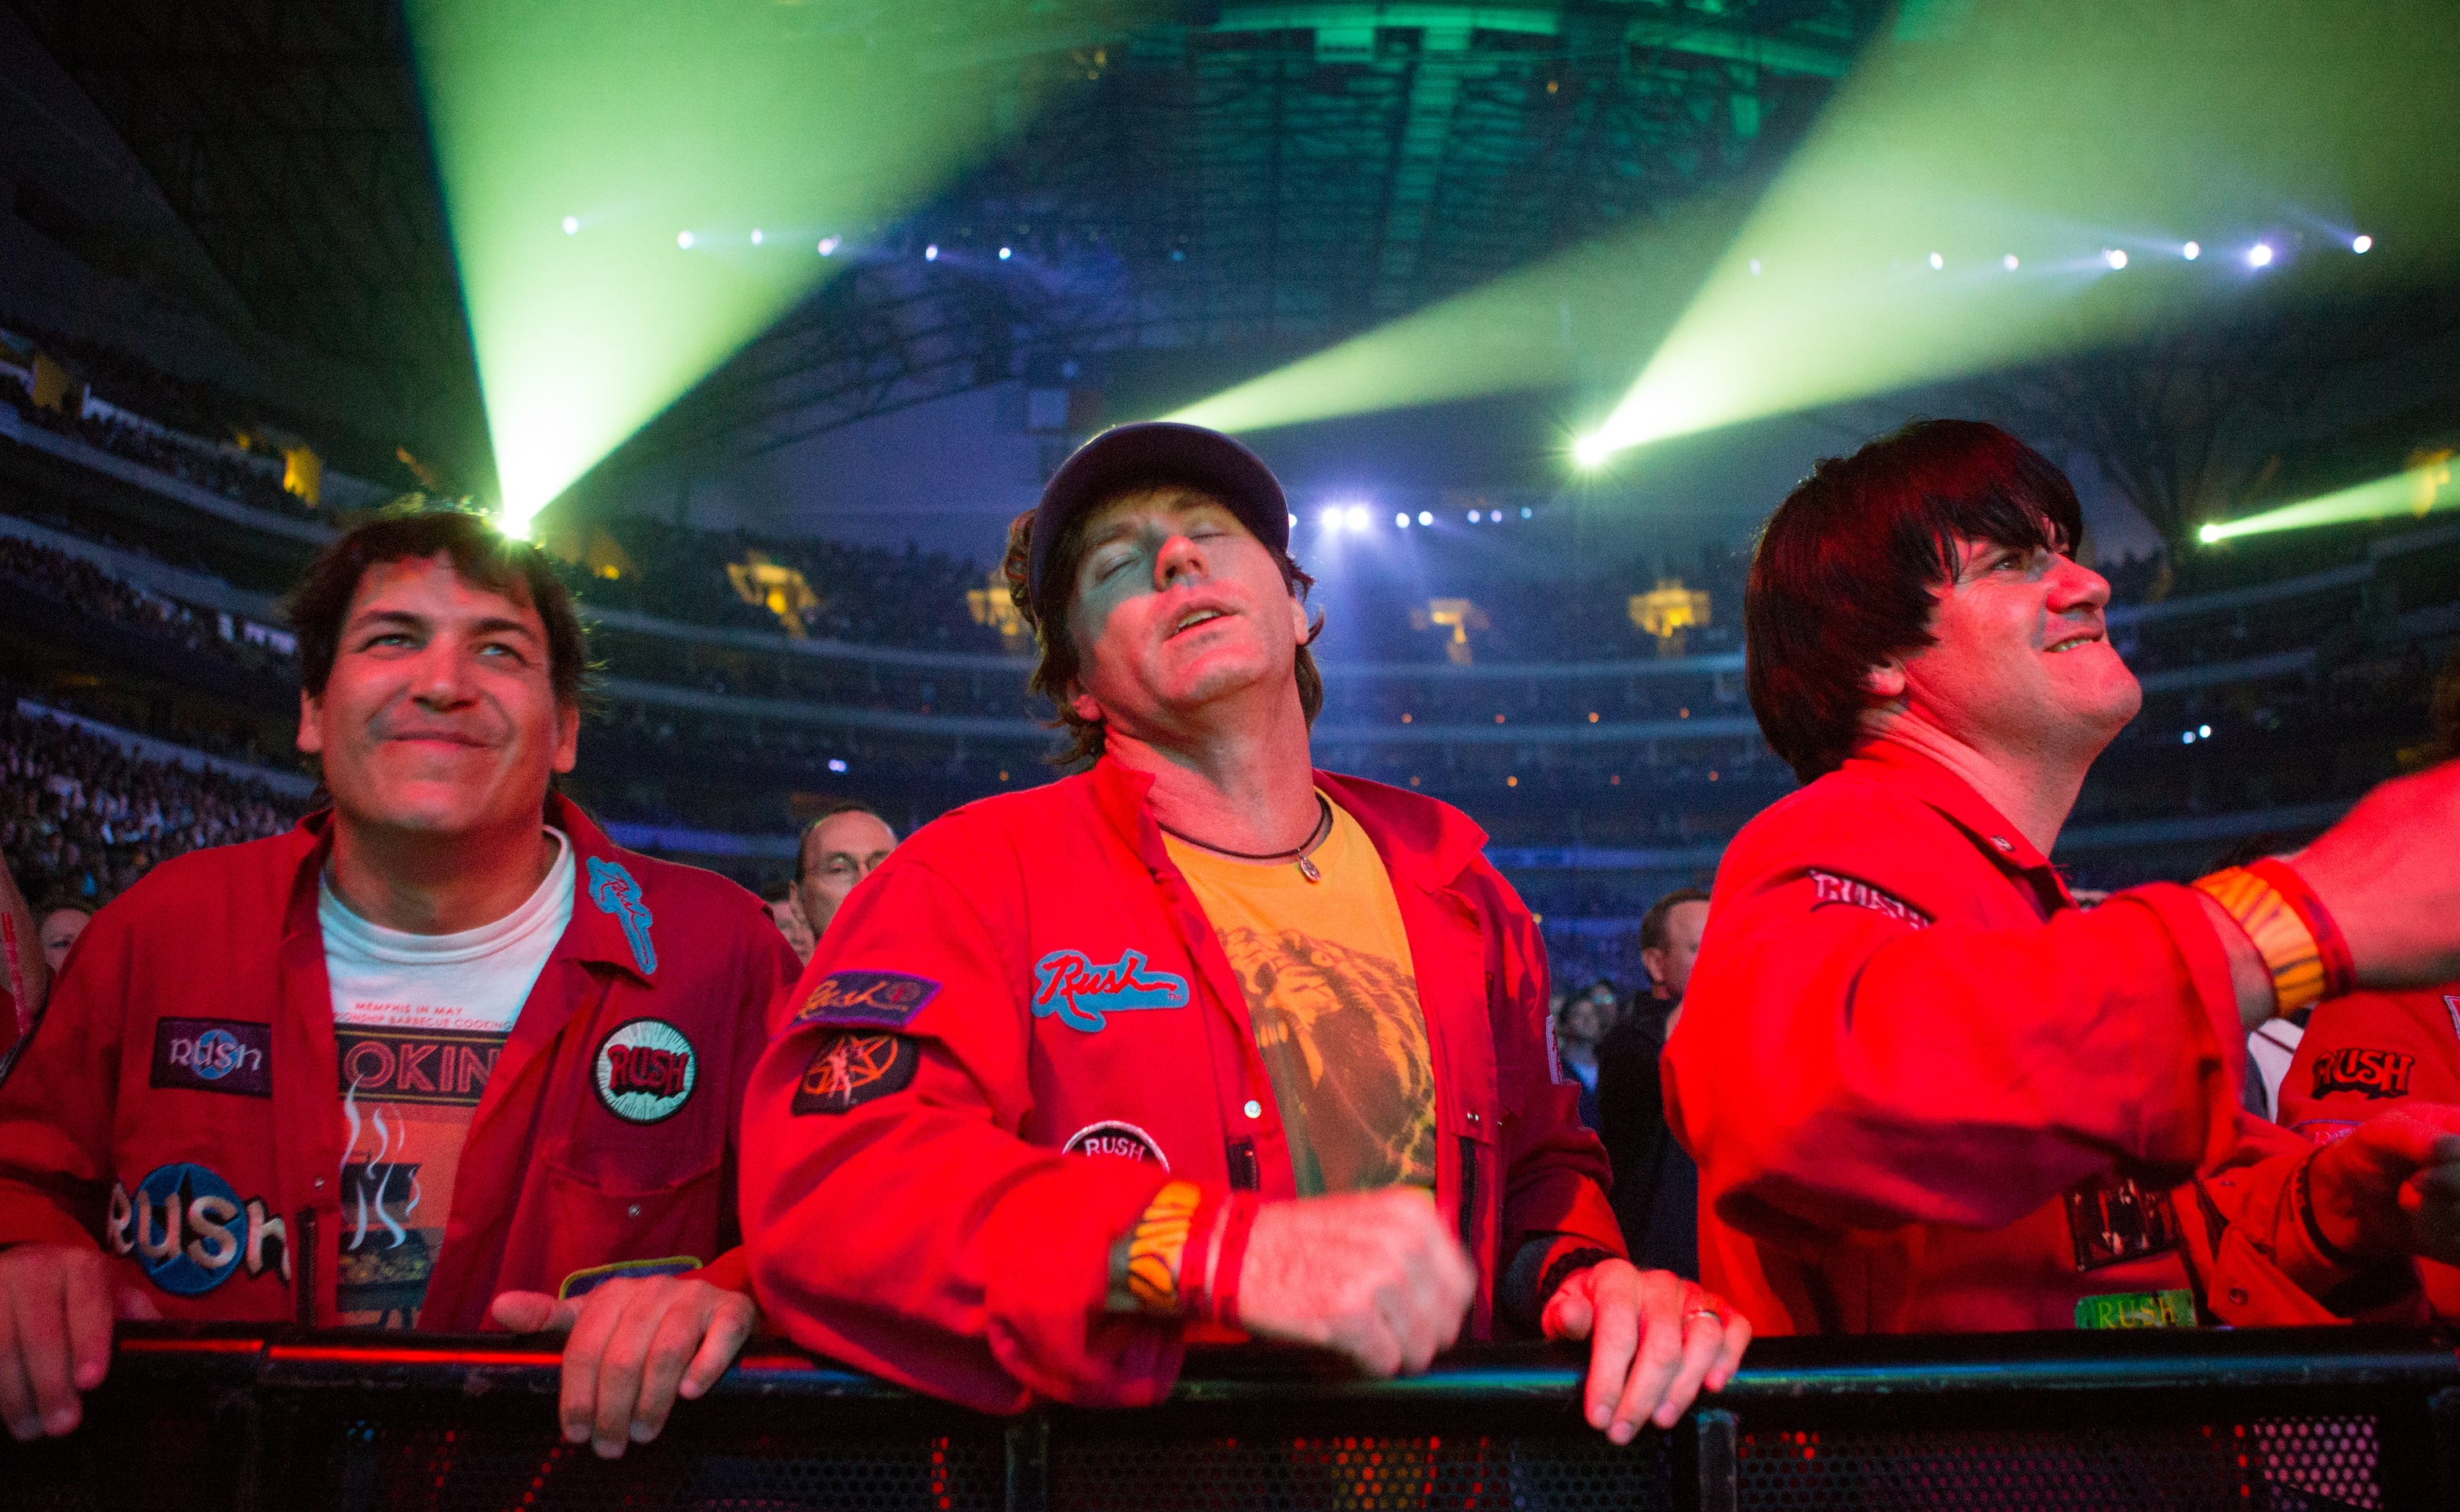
pixel 1202 180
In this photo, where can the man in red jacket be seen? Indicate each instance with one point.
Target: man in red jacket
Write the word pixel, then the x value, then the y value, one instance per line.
pixel 425 1061
pixel 1199 1043
pixel 1929 1093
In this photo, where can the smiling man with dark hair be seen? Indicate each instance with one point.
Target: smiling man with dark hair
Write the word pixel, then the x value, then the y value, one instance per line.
pixel 1926 1091
pixel 443 1056
pixel 1202 1044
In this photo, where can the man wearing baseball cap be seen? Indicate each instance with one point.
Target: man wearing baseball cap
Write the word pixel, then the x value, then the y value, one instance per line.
pixel 1197 1044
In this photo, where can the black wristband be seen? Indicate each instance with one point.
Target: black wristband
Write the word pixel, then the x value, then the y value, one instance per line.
pixel 2301 1195
pixel 1563 1268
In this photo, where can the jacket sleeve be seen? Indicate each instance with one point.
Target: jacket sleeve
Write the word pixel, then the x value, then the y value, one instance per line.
pixel 56 1104
pixel 765 979
pixel 1847 1064
pixel 2256 1250
pixel 2367 1054
pixel 1555 1172
pixel 896 1219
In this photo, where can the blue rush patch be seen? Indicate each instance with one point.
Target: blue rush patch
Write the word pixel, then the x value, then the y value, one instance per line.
pixel 612 889
pixel 886 998
pixel 190 1232
pixel 1067 984
pixel 580 1283
pixel 212 1055
pixel 855 1066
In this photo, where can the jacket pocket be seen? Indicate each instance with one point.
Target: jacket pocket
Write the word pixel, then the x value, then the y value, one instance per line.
pixel 600 1217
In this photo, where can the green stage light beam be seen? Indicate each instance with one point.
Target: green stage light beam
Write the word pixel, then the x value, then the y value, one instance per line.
pixel 2018 179
pixel 635 190
pixel 2418 491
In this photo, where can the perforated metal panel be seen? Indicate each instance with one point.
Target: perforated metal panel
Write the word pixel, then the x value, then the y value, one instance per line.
pixel 2320 1461
pixel 1360 1474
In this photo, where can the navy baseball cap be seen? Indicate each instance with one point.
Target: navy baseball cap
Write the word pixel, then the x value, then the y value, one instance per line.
pixel 1157 451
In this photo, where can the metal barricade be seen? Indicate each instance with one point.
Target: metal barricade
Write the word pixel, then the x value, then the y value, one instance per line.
pixel 212 1419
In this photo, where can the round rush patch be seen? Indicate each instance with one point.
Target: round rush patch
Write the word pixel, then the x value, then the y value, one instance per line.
pixel 646 1070
pixel 1117 1136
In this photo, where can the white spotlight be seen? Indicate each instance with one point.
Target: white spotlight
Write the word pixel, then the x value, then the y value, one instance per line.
pixel 2009 263
pixel 1332 519
pixel 1526 512
pixel 1402 520
pixel 931 253
pixel 2259 254
pixel 1294 522
pixel 1473 516
pixel 684 240
pixel 1357 516
pixel 572 225
pixel 2192 251
pixel 2362 244
pixel 1003 254
pixel 1425 517
pixel 1936 262
pixel 2115 258
pixel 837 763
pixel 1756 268
pixel 2203 732
pixel 828 246
pixel 756 236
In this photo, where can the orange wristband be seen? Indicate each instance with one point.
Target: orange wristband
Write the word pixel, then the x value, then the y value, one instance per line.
pixel 1157 1248
pixel 2290 951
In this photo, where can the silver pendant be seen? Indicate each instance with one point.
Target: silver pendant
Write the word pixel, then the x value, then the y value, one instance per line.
pixel 1307 869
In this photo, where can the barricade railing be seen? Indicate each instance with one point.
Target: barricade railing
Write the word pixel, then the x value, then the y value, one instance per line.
pixel 201 1420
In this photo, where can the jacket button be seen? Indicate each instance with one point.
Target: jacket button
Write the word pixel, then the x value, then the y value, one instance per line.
pixel 633 1211
pixel 1254 1108
pixel 320 1184
pixel 2237 1294
pixel 1472 1118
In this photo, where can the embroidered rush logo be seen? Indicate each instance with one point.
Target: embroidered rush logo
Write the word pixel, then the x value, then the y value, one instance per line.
pixel 1833 889
pixel 1068 984
pixel 612 889
pixel 2368 1072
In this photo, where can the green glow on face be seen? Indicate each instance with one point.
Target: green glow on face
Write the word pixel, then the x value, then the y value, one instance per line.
pixel 606 168
pixel 1998 180
pixel 2419 492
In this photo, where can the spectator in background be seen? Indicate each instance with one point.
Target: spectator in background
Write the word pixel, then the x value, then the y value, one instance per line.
pixel 1656 1192
pixel 1578 1024
pixel 786 912
pixel 58 922
pixel 839 850
pixel 25 975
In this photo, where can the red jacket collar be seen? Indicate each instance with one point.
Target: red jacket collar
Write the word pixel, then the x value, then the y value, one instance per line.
pixel 1900 765
pixel 606 891
pixel 1428 841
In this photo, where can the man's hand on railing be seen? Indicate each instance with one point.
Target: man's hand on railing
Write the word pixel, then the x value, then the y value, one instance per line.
pixel 1375 1275
pixel 57 1306
pixel 1654 1340
pixel 633 1346
pixel 2392 1186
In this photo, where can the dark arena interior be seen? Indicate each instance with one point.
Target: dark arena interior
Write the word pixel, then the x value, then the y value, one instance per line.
pixel 415 410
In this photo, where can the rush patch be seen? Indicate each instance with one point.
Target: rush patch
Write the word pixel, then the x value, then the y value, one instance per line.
pixel 852 1067
pixel 437 1066
pixel 2112 1220
pixel 2367 1073
pixel 1117 1136
pixel 1067 984
pixel 612 889
pixel 886 998
pixel 1830 887
pixel 190 1231
pixel 580 1283
pixel 644 1070
pixel 212 1055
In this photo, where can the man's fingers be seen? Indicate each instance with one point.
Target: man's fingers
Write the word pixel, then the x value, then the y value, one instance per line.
pixel 43 1316
pixel 672 1345
pixel 89 1308
pixel 1659 1357
pixel 1568 1311
pixel 533 1313
pixel 1614 1339
pixel 729 1330
pixel 17 1398
pixel 1729 1351
pixel 576 1406
pixel 133 1306
pixel 1700 1340
pixel 620 1366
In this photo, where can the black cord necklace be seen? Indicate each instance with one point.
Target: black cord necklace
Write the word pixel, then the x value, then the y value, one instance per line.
pixel 1302 854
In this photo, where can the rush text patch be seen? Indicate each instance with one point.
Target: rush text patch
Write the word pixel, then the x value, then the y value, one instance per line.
pixel 212 1055
pixel 1833 889
pixel 886 998
pixel 190 1232
pixel 644 1070
pixel 1117 1136
pixel 2367 1073
pixel 1067 984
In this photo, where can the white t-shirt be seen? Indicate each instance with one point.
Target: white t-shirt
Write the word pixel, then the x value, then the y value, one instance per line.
pixel 420 1020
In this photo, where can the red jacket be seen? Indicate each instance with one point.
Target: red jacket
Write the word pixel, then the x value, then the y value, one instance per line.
pixel 2367 1054
pixel 1031 975
pixel 222 948
pixel 1912 1073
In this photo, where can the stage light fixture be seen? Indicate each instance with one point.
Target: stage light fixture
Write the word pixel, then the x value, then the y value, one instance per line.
pixel 1358 516
pixel 829 246
pixel 2009 263
pixel 2115 258
pixel 1473 516
pixel 1330 519
pixel 1526 512
pixel 931 253
pixel 1003 254
pixel 572 225
pixel 684 240
pixel 2362 244
pixel 2192 251
pixel 1756 268
pixel 1401 520
pixel 1425 517
pixel 2259 254
pixel 1936 262
pixel 756 236
pixel 837 763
